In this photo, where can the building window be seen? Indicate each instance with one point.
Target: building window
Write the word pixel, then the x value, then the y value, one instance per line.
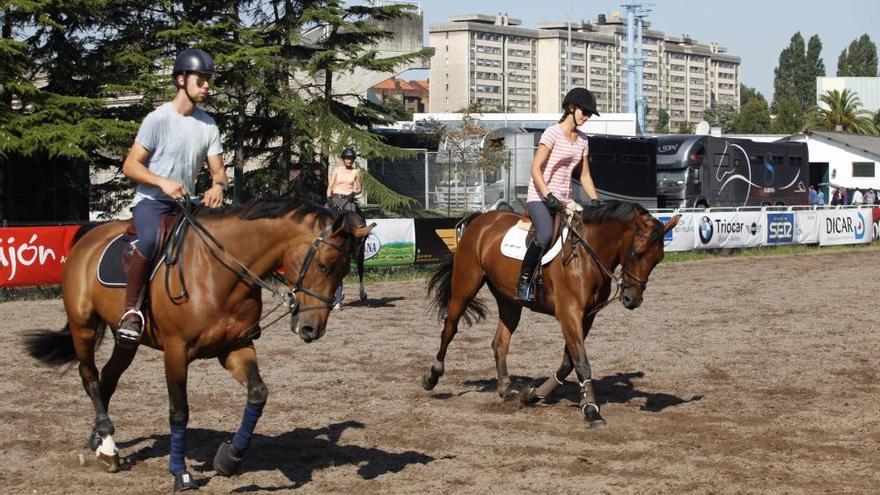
pixel 863 169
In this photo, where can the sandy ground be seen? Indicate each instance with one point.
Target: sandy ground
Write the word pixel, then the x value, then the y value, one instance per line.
pixel 754 375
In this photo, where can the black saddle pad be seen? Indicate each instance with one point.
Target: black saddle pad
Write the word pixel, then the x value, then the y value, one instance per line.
pixel 110 271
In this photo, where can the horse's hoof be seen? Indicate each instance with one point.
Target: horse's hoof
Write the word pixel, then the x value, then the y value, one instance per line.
pixel 184 482
pixel 95 440
pixel 528 397
pixel 225 463
pixel 504 390
pixel 430 379
pixel 363 296
pixel 592 417
pixel 110 462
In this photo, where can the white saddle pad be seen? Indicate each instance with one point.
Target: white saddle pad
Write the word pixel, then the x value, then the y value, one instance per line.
pixel 514 245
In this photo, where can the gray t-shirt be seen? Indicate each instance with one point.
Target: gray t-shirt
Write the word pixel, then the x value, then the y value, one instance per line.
pixel 178 146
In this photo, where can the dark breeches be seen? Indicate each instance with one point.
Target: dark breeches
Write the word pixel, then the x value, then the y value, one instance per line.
pixel 147 216
pixel 542 221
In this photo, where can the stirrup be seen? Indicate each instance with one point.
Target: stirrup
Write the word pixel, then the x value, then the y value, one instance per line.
pixel 129 337
pixel 528 295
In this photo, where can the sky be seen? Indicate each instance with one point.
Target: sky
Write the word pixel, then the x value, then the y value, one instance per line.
pixel 756 31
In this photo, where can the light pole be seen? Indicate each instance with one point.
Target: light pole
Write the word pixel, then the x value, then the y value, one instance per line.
pixel 568 53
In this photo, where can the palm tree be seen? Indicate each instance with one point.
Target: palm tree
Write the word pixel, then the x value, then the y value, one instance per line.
pixel 844 109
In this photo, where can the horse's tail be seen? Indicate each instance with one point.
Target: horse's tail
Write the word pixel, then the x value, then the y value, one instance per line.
pixel 55 348
pixel 440 284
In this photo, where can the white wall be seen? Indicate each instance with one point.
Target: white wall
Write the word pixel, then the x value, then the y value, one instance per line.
pixel 840 158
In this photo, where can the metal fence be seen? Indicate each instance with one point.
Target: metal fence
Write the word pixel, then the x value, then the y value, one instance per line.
pixel 449 185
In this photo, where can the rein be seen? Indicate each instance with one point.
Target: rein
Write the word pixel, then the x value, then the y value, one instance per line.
pixel 620 282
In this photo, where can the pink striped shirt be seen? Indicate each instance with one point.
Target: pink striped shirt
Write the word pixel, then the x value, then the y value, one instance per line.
pixel 564 157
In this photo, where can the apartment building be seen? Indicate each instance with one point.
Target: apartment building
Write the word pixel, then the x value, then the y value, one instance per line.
pixel 496 62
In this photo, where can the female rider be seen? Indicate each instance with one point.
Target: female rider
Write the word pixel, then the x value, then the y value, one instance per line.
pixel 562 148
pixel 344 184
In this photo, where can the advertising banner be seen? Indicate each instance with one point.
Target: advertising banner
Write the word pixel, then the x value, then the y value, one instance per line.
pixel 806 226
pixel 391 242
pixel 781 228
pixel 851 226
pixel 729 229
pixel 435 239
pixel 31 256
pixel 681 238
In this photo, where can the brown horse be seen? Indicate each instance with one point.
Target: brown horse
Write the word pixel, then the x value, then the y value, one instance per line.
pixel 574 286
pixel 218 317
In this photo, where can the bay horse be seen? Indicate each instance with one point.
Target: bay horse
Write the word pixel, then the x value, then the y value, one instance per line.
pixel 574 286
pixel 218 318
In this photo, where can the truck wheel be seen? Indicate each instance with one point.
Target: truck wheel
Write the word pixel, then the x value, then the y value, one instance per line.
pixel 702 204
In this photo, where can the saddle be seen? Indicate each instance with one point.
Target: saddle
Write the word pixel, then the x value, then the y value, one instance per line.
pixel 518 237
pixel 116 257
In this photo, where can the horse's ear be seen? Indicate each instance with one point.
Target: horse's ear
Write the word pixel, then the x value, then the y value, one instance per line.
pixel 363 232
pixel 671 223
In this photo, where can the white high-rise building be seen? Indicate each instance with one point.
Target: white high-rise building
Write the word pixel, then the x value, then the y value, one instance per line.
pixel 494 61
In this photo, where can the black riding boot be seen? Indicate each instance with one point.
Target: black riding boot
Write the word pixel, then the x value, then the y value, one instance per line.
pixel 132 324
pixel 530 262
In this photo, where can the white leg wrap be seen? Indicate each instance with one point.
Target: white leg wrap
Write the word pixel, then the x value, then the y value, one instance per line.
pixel 107 447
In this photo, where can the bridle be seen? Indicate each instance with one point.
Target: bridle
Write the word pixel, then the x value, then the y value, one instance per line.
pixel 246 275
pixel 293 302
pixel 620 283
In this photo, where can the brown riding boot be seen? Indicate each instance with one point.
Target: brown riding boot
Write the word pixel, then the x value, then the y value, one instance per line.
pixel 132 323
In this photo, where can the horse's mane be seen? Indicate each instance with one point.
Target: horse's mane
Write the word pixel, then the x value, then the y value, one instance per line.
pixel 268 208
pixel 623 211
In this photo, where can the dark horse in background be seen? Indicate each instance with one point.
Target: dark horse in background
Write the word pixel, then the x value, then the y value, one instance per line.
pixel 341 204
pixel 218 318
pixel 574 285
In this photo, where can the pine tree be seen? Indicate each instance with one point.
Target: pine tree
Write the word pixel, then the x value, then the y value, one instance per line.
pixel 61 123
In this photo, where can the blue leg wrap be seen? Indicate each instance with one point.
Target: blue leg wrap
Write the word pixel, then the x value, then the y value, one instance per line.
pixel 242 438
pixel 176 462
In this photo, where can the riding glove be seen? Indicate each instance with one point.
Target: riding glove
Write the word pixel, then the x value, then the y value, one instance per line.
pixel 553 203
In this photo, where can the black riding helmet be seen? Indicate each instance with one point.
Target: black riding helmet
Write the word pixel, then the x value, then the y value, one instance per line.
pixel 583 98
pixel 348 153
pixel 193 60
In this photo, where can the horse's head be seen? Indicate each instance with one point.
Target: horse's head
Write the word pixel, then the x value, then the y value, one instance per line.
pixel 316 272
pixel 644 251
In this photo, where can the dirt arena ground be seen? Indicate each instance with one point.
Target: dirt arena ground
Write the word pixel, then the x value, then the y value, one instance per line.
pixel 755 375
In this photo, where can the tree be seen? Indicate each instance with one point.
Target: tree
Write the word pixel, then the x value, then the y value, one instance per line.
pixel 844 112
pixel 789 117
pixel 753 118
pixel 790 70
pixel 720 115
pixel 746 93
pixel 814 67
pixel 859 59
pixel 685 127
pixel 395 108
pixel 662 126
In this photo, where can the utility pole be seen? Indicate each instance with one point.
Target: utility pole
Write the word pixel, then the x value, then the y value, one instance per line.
pixel 630 57
pixel 568 53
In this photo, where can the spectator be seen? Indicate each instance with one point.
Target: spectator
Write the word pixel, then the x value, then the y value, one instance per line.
pixel 870 197
pixel 858 198
pixel 820 197
pixel 812 197
pixel 837 197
